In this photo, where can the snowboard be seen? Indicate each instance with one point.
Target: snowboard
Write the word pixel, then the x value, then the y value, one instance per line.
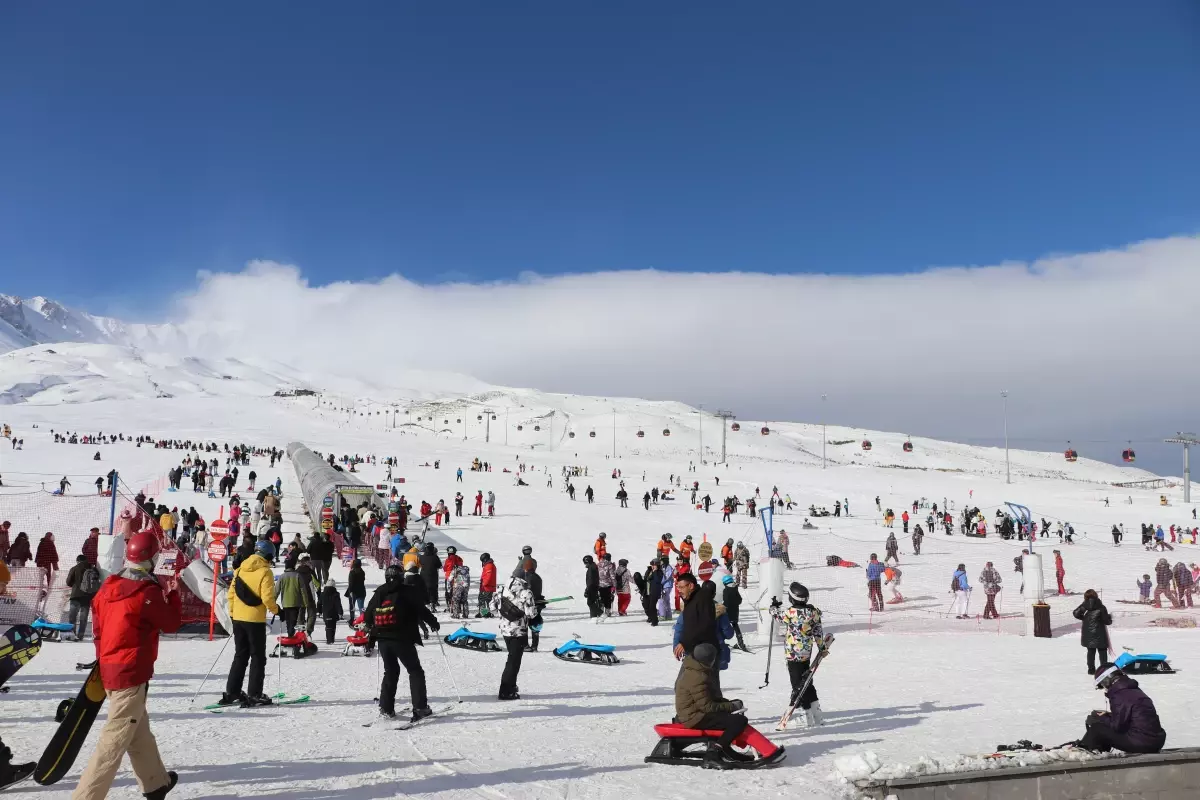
pixel 59 756
pixel 18 646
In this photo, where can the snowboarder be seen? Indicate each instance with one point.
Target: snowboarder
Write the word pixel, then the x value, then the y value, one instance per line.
pixel 802 644
pixel 131 611
pixel 392 618
pixel 1093 633
pixel 891 577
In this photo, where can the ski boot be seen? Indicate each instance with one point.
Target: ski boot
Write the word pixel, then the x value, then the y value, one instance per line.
pixel 813 716
pixel 714 758
pixel 252 701
pixel 159 794
pixel 232 699
pixel 421 713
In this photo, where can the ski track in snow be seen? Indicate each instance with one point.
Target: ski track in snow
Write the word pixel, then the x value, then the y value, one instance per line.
pixel 917 688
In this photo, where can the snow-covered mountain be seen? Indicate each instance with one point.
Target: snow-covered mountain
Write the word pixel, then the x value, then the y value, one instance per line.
pixel 25 322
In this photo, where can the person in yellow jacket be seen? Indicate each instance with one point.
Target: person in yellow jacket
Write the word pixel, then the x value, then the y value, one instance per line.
pixel 167 523
pixel 251 596
pixel 411 559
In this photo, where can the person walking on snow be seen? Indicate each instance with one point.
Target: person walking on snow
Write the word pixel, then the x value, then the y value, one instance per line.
pixel 891 546
pixel 478 504
pixel 891 577
pixel 1060 571
pixel 667 572
pixel 515 608
pixel 131 611
pixel 487 584
pixel 804 633
pixel 1162 580
pixel 1093 633
pixel 741 562
pixel 962 592
pixel 990 580
pixel 874 588
pixel 623 581
pixel 917 536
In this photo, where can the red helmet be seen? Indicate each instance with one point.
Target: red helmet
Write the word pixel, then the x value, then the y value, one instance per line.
pixel 142 546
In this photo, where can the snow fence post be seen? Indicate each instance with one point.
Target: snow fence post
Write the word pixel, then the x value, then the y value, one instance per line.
pixel 1035 589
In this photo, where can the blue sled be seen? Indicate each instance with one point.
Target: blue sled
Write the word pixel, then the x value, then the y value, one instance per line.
pixel 468 639
pixel 51 630
pixel 573 650
pixel 1144 664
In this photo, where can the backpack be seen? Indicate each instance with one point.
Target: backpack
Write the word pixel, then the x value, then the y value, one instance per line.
pixel 954 583
pixel 244 593
pixel 89 581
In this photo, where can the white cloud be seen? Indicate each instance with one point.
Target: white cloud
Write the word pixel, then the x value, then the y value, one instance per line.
pixel 1095 342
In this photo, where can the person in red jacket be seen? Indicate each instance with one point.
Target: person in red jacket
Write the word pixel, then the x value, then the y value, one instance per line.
pixel 1060 572
pixel 682 567
pixel 91 546
pixel 478 504
pixel 453 561
pixel 47 555
pixel 487 585
pixel 128 614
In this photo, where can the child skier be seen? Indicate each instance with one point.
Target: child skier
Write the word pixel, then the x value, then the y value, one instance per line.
pixel 1144 587
pixel 460 587
pixel 802 643
pixel 331 610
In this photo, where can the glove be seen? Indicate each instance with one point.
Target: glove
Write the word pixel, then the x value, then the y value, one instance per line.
pixel 435 626
pixel 537 622
pixel 776 602
pixel 738 705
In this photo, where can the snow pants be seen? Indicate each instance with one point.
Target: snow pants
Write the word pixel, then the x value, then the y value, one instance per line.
pixel 249 648
pixel 875 594
pixel 126 731
pixel 485 600
pixel 1162 589
pixel 1103 738
pixel 512 667
pixel 989 608
pixel 650 606
pixel 606 599
pixel 731 725
pixel 330 631
pixel 743 570
pixel 622 603
pixel 1060 575
pixel 78 616
pixel 394 653
pixel 961 601
pixel 798 672
pixel 664 604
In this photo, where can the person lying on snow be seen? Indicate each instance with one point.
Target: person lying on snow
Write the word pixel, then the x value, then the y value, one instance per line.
pixel 698 707
pixel 1131 723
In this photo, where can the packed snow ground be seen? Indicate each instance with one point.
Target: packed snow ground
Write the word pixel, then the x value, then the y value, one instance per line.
pixel 915 687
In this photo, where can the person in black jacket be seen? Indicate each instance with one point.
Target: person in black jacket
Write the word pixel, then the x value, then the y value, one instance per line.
pixel 431 573
pixel 81 599
pixel 535 585
pixel 331 610
pixel 699 614
pixel 308 584
pixel 393 613
pixel 412 578
pixel 591 587
pixel 732 599
pixel 356 588
pixel 1093 633
pixel 650 588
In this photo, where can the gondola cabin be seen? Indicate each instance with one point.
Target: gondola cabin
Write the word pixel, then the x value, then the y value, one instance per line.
pixel 666 431
pixel 765 431
pixel 641 434
pixel 736 427
pixel 908 447
pixel 571 435
pixel 592 435
pixel 1070 454
pixel 493 417
pixel 479 418
pixel 445 422
pixel 537 427
pixel 866 445
pixel 458 421
pixel 1128 456
pixel 520 427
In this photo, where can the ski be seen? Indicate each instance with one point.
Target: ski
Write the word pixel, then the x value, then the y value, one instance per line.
pixel 822 650
pixel 444 711
pixel 278 699
pixel 405 710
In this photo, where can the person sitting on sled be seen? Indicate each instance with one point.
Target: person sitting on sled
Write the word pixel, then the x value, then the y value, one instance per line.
pixel 699 708
pixel 1131 723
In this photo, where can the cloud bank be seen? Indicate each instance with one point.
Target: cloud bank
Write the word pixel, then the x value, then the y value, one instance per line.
pixel 1094 345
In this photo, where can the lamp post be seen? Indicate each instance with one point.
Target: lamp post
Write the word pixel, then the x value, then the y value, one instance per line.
pixel 1007 469
pixel 823 397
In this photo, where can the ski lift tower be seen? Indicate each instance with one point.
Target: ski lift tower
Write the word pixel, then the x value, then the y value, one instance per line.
pixel 724 416
pixel 1187 440
pixel 487 426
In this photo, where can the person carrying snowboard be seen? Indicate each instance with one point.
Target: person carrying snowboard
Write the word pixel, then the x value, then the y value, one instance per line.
pixel 131 611
pixel 392 618
pixel 802 644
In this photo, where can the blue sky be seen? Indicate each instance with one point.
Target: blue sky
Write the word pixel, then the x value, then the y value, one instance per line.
pixel 141 142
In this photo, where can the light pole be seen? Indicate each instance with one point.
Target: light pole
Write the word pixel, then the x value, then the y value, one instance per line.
pixel 701 414
pixel 1007 469
pixel 614 433
pixel 823 397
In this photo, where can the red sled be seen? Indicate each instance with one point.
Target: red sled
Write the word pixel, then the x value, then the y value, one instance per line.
pixel 298 646
pixel 675 741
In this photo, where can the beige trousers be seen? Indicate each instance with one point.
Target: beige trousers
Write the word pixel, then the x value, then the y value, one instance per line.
pixel 126 731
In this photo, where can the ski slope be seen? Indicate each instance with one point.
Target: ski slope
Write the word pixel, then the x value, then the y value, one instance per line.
pixel 914 683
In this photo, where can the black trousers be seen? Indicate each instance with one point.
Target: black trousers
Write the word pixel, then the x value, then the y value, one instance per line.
pixel 249 647
pixel 1103 738
pixel 731 725
pixel 593 603
pixel 330 630
pixel 512 667
pixel 1093 653
pixel 650 606
pixel 290 616
pixel 394 654
pixel 798 672
pixel 606 597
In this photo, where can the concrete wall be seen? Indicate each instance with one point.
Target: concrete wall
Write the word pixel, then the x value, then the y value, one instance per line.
pixel 1170 775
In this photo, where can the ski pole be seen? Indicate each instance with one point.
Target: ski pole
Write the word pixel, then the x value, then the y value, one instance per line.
pixel 210 669
pixel 449 671
pixel 770 644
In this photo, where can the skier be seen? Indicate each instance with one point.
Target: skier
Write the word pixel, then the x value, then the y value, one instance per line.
pixel 131 611
pixel 591 586
pixel 904 519
pixel 874 589
pixel 962 592
pixel 600 547
pixel 623 580
pixel 291 595
pixel 392 617
pixel 731 598
pixel 458 501
pixel 891 577
pixel 918 536
pixel 727 554
pixel 802 644
pixel 891 546
pixel 1093 633
pixel 1184 585
pixel 990 580
pixel 1144 587
pixel 478 504
pixel 487 584
pixel 515 608
pixel 331 610
pixel 1131 723
pixel 491 503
